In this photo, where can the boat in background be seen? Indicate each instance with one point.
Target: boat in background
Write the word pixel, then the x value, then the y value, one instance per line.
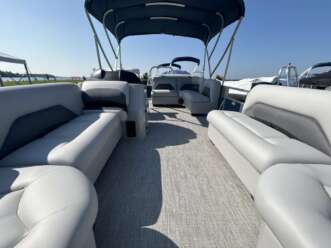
pixel 317 77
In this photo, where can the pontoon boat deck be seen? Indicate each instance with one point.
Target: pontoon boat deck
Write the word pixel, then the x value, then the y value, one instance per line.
pixel 100 165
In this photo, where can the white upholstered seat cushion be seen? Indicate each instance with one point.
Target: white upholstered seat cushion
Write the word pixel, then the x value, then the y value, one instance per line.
pixel 85 143
pixel 262 145
pixel 295 204
pixel 46 206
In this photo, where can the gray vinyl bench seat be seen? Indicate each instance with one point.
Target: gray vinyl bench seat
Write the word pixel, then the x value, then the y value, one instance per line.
pixel 46 206
pixel 277 125
pixel 165 93
pixel 165 97
pixel 295 204
pixel 280 148
pixel 50 126
pixel 198 95
pixel 203 101
pixel 54 141
pixel 262 145
pixel 84 143
pixel 194 97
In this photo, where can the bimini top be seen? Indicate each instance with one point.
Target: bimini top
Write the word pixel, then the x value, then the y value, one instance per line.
pixel 165 65
pixel 186 59
pixel 327 64
pixel 201 19
pixel 10 59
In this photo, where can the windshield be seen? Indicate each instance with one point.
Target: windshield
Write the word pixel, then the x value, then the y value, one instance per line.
pixel 288 76
pixel 320 71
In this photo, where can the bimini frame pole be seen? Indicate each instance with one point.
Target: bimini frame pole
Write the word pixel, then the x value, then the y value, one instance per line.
pixel 219 35
pixel 228 63
pixel 206 51
pixel 204 63
pixel 230 44
pixel 98 40
pixel 208 55
pixel 27 72
pixel 225 74
pixel 98 52
pixel 208 60
pixel 119 56
pixel 107 13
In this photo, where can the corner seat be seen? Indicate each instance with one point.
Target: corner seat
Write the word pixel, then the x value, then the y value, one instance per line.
pixel 295 204
pixel 46 206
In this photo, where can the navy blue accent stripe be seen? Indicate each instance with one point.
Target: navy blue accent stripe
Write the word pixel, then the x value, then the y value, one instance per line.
pixel 206 92
pixel 97 99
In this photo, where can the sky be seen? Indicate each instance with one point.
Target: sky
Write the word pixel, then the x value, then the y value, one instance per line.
pixel 54 37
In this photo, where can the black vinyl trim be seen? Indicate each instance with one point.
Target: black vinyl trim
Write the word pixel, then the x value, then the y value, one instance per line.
pixel 131 129
pixel 32 126
pixel 206 92
pixel 97 99
pixel 276 127
pixel 251 112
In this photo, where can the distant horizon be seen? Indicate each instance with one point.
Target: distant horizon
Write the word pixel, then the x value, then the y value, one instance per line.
pixel 56 39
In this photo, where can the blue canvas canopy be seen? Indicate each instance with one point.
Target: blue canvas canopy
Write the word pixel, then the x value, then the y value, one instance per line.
pixel 327 64
pixel 190 18
pixel 168 65
pixel 11 59
pixel 186 59
pixel 4 57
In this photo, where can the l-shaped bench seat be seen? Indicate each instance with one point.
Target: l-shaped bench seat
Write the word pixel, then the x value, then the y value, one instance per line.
pixel 46 124
pixel 198 95
pixel 277 125
pixel 280 147
pixel 47 132
pixel 252 147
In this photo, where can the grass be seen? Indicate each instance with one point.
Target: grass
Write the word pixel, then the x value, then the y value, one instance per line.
pixel 13 83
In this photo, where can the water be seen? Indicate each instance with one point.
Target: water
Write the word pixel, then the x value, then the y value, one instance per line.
pixel 25 79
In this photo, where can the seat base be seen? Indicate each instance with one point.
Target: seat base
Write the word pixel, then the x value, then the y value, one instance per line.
pixel 165 101
pixel 241 166
pixel 267 238
pixel 197 103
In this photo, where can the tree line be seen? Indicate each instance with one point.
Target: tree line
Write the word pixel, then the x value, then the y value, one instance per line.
pixel 9 74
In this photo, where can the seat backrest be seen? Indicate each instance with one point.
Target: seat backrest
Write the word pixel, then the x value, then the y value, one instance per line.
pixel 122 75
pixel 29 112
pixel 299 113
pixel 188 83
pixel 211 89
pixel 161 83
pixel 98 94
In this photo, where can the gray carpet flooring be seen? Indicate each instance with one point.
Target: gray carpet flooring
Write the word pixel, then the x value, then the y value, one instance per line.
pixel 173 189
